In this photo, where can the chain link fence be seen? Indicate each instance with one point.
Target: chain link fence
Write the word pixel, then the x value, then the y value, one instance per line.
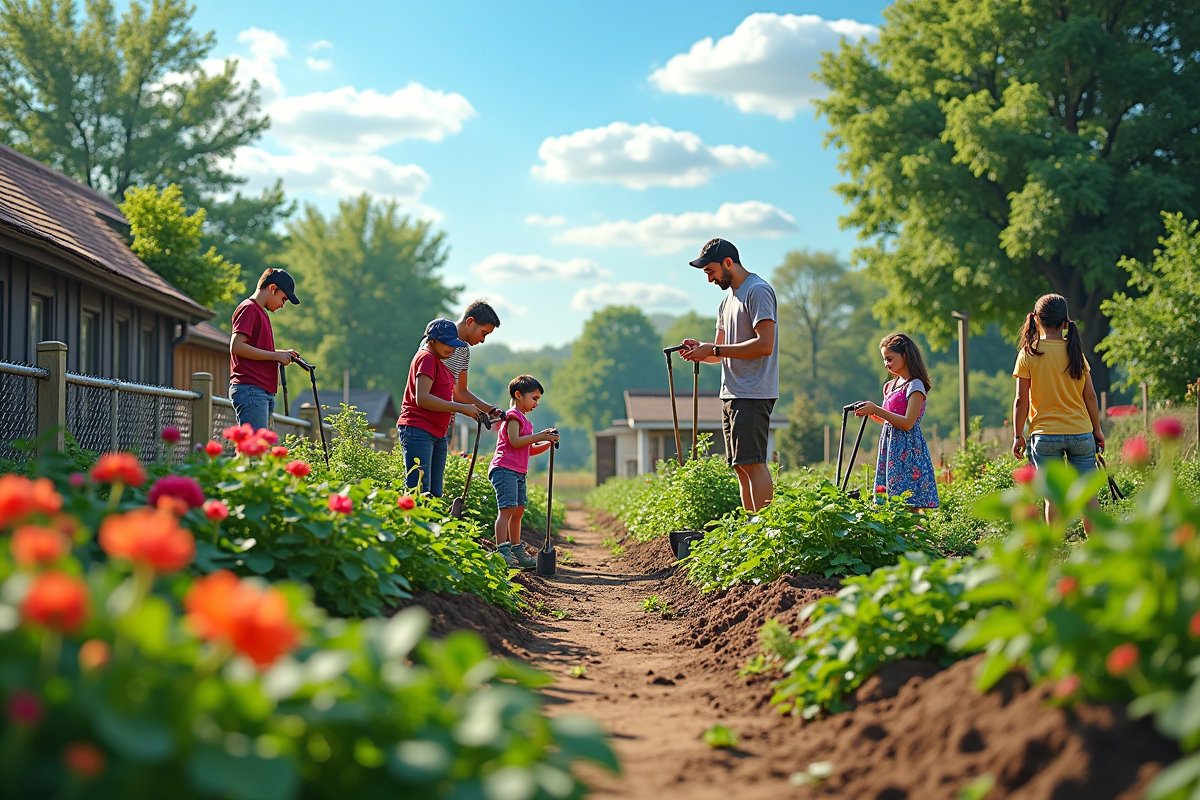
pixel 105 415
pixel 18 407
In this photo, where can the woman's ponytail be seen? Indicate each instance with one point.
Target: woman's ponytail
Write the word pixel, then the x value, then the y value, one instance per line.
pixel 1030 335
pixel 1075 362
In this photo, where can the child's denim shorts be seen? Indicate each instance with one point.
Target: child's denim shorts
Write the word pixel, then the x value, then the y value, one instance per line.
pixel 510 487
pixel 1078 448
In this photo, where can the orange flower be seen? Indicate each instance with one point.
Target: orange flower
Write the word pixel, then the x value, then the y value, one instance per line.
pixel 1123 658
pixel 56 600
pixel 214 448
pixel 148 536
pixel 94 654
pixel 298 469
pixel 121 468
pixel 85 759
pixel 20 497
pixel 33 545
pixel 238 433
pixel 1067 585
pixel 254 621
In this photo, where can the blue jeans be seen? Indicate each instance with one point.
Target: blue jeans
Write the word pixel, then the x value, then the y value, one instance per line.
pixel 421 445
pixel 252 404
pixel 510 487
pixel 1078 448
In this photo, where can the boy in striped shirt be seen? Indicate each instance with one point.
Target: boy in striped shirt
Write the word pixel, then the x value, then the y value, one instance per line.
pixel 479 320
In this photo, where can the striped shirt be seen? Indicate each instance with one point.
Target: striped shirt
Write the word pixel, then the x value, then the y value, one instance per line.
pixel 458 361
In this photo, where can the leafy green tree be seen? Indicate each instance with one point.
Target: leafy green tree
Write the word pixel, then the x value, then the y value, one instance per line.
pixel 803 441
pixel 1156 335
pixel 618 350
pixel 167 239
pixel 991 398
pixel 694 325
pixel 116 104
pixel 815 302
pixel 998 150
pixel 369 282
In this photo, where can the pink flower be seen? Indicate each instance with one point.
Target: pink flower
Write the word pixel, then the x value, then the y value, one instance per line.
pixel 78 479
pixel 1123 658
pixel 279 451
pixel 214 448
pixel 1024 474
pixel 24 707
pixel 406 502
pixel 1168 428
pixel 216 510
pixel 1066 686
pixel 1136 451
pixel 177 486
pixel 239 433
pixel 269 435
pixel 170 434
pixel 340 504
pixel 297 469
pixel 254 446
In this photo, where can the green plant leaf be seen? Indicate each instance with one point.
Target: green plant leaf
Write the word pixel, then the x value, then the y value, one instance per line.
pixel 248 777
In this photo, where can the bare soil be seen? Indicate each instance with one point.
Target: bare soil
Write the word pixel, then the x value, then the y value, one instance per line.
pixel 918 731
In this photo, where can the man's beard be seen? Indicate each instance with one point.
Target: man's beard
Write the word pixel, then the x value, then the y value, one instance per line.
pixel 726 279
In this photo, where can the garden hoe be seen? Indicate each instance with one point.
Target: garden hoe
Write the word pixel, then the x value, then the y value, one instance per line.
pixel 459 506
pixel 312 376
pixel 283 381
pixel 840 481
pixel 547 557
pixel 681 541
pixel 674 411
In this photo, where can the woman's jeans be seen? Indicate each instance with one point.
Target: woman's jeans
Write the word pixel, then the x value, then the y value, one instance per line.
pixel 252 404
pixel 1078 448
pixel 424 458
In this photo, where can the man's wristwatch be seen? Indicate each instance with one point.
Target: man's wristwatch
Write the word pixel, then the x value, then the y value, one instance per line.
pixel 717 350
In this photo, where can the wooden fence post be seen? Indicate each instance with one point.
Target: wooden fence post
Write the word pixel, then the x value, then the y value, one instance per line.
pixel 202 408
pixel 964 398
pixel 309 413
pixel 52 395
pixel 826 444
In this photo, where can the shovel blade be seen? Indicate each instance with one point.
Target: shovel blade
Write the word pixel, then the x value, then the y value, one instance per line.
pixel 547 562
pixel 458 508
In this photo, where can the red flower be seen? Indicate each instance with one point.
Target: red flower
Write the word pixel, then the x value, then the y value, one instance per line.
pixel 34 546
pixel 84 759
pixel 119 468
pixel 178 486
pixel 340 503
pixel 279 451
pixel 1067 585
pixel 254 446
pixel 20 497
pixel 1168 428
pixel 1136 451
pixel 253 620
pixel 56 600
pixel 406 502
pixel 1123 658
pixel 1194 626
pixel 880 490
pixel 239 433
pixel 24 707
pixel 297 469
pixel 78 479
pixel 266 433
pixel 171 434
pixel 1024 474
pixel 216 510
pixel 214 448
pixel 147 536
pixel 1123 411
pixel 1067 686
pixel 94 654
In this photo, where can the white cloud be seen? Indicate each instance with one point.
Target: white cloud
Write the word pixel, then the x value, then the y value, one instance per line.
pixel 504 267
pixel 504 307
pixel 351 121
pixel 630 293
pixel 336 175
pixel 765 66
pixel 671 233
pixel 553 221
pixel 318 64
pixel 266 47
pixel 639 156
pixel 320 44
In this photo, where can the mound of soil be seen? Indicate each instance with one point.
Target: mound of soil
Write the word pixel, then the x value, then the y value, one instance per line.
pixel 505 633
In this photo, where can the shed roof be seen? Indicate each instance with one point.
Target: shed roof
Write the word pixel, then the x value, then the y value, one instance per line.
pixel 377 404
pixel 207 335
pixel 652 407
pixel 65 216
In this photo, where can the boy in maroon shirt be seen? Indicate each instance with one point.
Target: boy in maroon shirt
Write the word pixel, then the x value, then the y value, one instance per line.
pixel 253 360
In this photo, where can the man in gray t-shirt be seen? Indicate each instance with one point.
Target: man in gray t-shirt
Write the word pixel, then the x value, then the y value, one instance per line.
pixel 747 346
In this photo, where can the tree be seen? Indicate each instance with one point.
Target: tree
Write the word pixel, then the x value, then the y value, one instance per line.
pixel 618 350
pixel 693 325
pixel 995 151
pixel 167 239
pixel 120 104
pixel 803 441
pixel 1156 336
pixel 368 280
pixel 815 300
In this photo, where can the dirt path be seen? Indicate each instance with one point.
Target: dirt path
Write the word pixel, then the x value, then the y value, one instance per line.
pixel 652 692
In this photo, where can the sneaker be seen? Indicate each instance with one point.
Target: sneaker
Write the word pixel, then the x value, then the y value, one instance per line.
pixel 523 558
pixel 506 551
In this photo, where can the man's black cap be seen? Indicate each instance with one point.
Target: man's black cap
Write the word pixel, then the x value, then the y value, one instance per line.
pixel 716 250
pixel 282 279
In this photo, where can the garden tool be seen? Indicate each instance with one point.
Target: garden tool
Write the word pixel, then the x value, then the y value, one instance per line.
pixel 840 481
pixel 1113 489
pixel 459 506
pixel 695 408
pixel 547 557
pixel 312 376
pixel 674 411
pixel 283 382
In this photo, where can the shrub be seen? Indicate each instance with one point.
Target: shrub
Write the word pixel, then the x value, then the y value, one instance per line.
pixel 953 526
pixel 806 530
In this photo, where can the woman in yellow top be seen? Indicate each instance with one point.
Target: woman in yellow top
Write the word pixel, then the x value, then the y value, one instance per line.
pixel 1054 390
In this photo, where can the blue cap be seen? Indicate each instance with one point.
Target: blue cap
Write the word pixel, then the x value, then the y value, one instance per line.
pixel 444 331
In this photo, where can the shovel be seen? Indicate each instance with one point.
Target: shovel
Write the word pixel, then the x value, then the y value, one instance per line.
pixel 680 542
pixel 283 381
pixel 459 506
pixel 674 411
pixel 547 557
pixel 312 376
pixel 839 480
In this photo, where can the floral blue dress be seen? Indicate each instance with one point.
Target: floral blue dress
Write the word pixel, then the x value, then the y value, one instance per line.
pixel 904 463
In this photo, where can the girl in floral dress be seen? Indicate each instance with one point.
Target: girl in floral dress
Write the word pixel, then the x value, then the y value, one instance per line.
pixel 904 464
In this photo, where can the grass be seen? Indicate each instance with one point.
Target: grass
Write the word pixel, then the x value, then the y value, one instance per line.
pixel 569 487
pixel 579 671
pixel 613 546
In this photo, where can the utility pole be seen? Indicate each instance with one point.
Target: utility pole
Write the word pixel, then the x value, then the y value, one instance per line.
pixel 964 399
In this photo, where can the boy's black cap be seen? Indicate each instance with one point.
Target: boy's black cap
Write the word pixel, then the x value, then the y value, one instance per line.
pixel 282 279
pixel 716 250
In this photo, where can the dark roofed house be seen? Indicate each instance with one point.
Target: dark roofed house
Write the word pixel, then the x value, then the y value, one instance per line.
pixel 206 349
pixel 67 273
pixel 635 444
pixel 377 404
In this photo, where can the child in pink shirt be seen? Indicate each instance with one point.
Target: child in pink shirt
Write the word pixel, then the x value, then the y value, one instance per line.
pixel 515 444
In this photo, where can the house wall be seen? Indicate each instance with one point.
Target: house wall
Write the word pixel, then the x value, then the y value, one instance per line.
pixel 190 358
pixel 143 353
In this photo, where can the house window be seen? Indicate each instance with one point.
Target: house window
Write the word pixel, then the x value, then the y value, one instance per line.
pixel 121 352
pixel 149 373
pixel 89 343
pixel 39 322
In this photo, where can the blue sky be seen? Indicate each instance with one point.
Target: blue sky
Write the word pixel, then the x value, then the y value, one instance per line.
pixel 545 138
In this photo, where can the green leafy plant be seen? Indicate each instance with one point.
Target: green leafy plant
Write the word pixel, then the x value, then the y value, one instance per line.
pixel 778 647
pixel 656 605
pixel 579 671
pixel 718 736
pixel 614 546
pixel 569 539
pixel 560 613
pixel 564 556
pixel 813 775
